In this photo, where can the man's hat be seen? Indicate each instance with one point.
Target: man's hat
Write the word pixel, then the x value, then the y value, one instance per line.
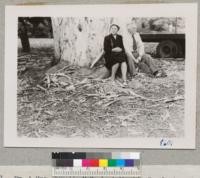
pixel 115 25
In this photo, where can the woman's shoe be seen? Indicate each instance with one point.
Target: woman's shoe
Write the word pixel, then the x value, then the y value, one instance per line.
pixel 125 84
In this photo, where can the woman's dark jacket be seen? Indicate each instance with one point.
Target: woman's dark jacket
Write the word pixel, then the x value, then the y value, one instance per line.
pixel 112 58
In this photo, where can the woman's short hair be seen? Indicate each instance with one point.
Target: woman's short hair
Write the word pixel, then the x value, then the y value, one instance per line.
pixel 115 26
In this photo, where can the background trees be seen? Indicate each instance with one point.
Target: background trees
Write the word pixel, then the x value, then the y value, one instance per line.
pixel 80 40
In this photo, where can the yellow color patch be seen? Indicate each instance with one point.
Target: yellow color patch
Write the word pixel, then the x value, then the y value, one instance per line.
pixel 103 163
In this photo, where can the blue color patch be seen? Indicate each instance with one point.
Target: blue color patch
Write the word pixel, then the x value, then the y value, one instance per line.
pixel 129 162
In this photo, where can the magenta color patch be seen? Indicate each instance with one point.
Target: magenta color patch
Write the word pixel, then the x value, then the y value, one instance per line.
pixel 85 163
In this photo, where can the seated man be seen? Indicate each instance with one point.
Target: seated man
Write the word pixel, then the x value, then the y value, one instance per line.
pixel 115 56
pixel 136 55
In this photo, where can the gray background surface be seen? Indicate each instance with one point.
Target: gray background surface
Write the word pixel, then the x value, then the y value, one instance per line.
pixel 41 156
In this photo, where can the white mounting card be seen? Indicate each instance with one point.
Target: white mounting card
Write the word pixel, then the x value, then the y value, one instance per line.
pixel 51 111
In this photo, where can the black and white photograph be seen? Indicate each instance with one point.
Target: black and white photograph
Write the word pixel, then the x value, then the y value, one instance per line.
pixel 100 76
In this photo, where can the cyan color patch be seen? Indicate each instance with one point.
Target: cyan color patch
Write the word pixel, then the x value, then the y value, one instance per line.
pixel 120 163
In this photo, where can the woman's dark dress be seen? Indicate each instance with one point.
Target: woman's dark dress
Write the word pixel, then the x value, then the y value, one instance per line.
pixel 111 58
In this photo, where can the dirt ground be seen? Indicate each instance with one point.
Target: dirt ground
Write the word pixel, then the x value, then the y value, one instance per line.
pixel 65 101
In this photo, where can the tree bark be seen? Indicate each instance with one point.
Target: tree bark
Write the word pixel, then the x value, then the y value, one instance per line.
pixel 23 34
pixel 79 40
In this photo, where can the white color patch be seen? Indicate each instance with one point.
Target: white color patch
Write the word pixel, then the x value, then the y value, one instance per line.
pixel 77 162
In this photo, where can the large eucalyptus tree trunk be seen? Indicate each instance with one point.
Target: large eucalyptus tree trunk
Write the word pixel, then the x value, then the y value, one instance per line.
pixel 79 40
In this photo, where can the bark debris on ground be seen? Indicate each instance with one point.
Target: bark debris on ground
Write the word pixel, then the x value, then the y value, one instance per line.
pixel 65 101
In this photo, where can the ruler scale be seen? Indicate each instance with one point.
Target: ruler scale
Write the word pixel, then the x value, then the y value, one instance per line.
pixel 68 164
pixel 96 172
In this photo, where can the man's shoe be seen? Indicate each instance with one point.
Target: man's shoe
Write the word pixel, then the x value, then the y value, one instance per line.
pixel 160 74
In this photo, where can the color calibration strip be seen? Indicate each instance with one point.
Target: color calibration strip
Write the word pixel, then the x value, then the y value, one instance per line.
pixel 88 155
pixel 96 164
pixel 96 159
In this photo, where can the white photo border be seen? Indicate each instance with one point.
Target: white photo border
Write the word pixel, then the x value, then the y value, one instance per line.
pixel 186 10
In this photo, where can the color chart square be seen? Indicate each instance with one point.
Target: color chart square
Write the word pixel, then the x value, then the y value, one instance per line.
pixel 112 163
pixel 77 162
pixel 135 155
pixel 129 162
pixel 137 162
pixel 60 162
pixel 85 162
pixel 103 163
pixel 68 162
pixel 94 163
pixel 120 162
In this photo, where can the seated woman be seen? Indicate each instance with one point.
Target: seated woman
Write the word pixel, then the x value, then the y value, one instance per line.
pixel 115 53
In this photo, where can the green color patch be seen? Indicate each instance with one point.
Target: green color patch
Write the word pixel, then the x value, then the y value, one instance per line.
pixel 112 163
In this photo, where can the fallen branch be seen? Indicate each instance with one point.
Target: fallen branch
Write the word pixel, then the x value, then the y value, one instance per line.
pixel 48 104
pixel 42 88
pixel 63 68
pixel 111 102
pixel 62 75
pixel 129 91
pixel 151 99
pixel 174 99
pixel 93 95
pixel 97 59
pixel 48 81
